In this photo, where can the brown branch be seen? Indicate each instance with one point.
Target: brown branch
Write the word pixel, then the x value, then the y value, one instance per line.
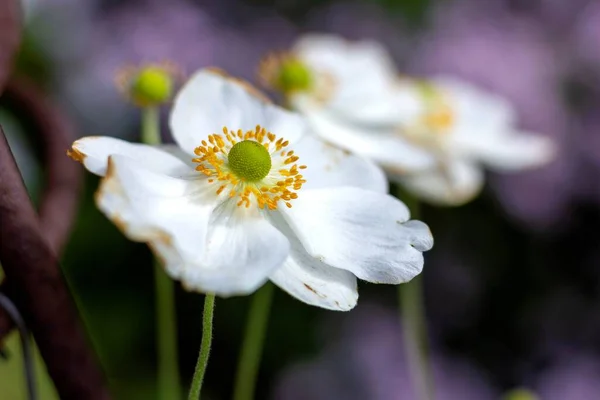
pixel 63 177
pixel 42 297
pixel 10 38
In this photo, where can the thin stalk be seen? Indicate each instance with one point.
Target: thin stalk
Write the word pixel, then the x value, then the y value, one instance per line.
pixel 416 340
pixel 207 328
pixel 254 339
pixel 168 385
pixel 151 125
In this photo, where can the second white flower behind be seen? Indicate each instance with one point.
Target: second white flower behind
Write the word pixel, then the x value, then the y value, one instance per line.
pixel 248 196
pixel 433 137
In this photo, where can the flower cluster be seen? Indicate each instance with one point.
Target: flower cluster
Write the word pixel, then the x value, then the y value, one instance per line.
pixel 253 192
pixel 250 194
pixel 431 136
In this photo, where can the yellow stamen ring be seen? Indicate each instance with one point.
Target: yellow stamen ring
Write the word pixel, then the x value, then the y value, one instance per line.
pixel 235 161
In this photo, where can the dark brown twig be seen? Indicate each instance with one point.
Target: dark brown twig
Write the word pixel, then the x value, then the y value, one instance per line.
pixel 62 177
pixel 42 297
pixel 10 38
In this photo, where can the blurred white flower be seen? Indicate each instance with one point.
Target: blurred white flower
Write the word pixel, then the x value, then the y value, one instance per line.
pixel 464 128
pixel 234 204
pixel 431 136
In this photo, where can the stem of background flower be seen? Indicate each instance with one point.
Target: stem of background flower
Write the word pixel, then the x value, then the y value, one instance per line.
pixel 151 125
pixel 252 346
pixel 168 385
pixel 416 340
pixel 207 328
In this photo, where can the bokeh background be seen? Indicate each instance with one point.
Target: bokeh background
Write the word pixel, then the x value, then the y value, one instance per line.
pixel 512 285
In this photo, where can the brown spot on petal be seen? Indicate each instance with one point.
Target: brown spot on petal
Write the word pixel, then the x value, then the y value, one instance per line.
pixel 310 288
pixel 314 291
pixel 164 239
pixel 119 222
pixel 76 155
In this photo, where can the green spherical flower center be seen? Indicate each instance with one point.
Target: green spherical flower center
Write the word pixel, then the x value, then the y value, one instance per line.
pixel 151 86
pixel 249 160
pixel 294 75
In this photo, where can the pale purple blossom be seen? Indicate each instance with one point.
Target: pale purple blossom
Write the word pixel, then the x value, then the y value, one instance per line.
pixel 575 377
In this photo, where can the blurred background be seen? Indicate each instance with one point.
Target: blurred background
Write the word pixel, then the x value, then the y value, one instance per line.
pixel 513 284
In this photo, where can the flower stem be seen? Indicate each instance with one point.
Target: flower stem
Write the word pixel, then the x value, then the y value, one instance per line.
pixel 252 346
pixel 415 326
pixel 166 325
pixel 151 125
pixel 166 335
pixel 207 328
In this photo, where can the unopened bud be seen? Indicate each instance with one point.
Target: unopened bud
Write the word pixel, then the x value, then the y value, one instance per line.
pixel 151 87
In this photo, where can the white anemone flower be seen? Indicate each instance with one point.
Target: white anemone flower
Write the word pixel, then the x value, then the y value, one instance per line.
pixel 247 196
pixel 434 137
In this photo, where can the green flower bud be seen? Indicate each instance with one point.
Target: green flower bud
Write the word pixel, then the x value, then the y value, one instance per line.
pixel 151 86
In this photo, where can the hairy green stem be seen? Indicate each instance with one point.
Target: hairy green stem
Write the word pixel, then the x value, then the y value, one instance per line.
pixel 207 328
pixel 254 338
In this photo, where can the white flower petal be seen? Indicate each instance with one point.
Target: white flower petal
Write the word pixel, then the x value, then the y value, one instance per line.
pixel 312 281
pixel 329 166
pixel 379 108
pixel 345 59
pixel 477 111
pixel 363 77
pixel 213 250
pixel 209 101
pixel 176 151
pixel 171 214
pixel 453 183
pixel 383 146
pixel 242 250
pixel 360 231
pixel 93 152
pixel 507 152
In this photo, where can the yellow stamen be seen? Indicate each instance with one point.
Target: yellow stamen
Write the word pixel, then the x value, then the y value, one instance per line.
pixel 281 183
pixel 440 118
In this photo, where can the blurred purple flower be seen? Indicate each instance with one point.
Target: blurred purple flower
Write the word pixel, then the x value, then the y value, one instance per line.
pixel 368 362
pixel 586 38
pixel 558 16
pixel 150 31
pixel 486 45
pixel 578 377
